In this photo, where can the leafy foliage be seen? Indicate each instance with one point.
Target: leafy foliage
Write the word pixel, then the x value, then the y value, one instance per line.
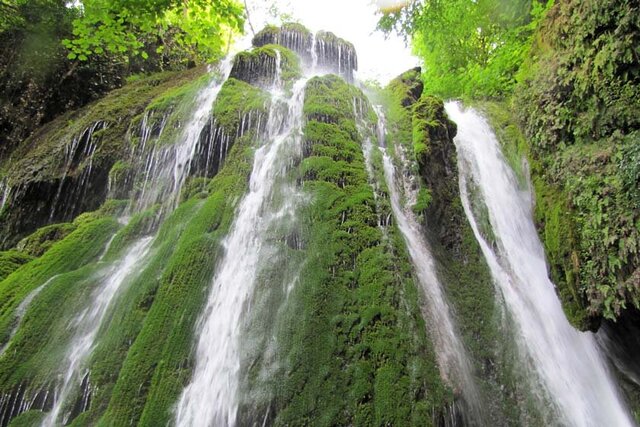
pixel 199 28
pixel 470 48
pixel 578 105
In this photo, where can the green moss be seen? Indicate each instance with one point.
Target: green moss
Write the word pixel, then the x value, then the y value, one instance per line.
pixel 39 158
pixel 147 358
pixel 11 260
pixel 329 100
pixel 42 160
pixel 195 187
pixel 423 200
pixel 70 275
pixel 174 106
pixel 428 122
pixel 139 225
pixel 258 66
pixel 272 34
pixel 39 242
pixel 177 95
pixel 356 353
pixel 27 419
pixel 296 27
pixel 269 32
pixel 577 104
pixel 235 100
pixel 82 245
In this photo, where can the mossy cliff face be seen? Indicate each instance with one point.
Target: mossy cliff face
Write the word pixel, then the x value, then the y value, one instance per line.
pixel 578 107
pixel 352 348
pixel 339 337
pixel 63 169
pixel 323 50
pixel 143 353
pixel 266 66
pixel 240 109
pixel 292 36
pixel 420 131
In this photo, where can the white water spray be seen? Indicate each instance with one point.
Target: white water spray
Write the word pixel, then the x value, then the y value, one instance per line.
pixel 564 362
pixel 88 324
pixel 211 399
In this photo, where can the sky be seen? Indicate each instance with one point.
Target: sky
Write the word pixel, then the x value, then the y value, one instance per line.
pixel 379 58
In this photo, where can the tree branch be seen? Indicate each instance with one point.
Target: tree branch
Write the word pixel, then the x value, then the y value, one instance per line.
pixel 246 8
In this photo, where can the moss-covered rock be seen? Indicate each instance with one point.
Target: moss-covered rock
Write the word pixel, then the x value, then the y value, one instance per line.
pixel 324 50
pixel 78 247
pixel 235 102
pixel 329 100
pixel 433 148
pixel 149 332
pixel 11 260
pixel 161 311
pixel 59 279
pixel 63 168
pixel 418 125
pixel 39 242
pixel 352 346
pixel 336 55
pixel 266 66
pixel 407 87
pixel 293 36
pixel 239 110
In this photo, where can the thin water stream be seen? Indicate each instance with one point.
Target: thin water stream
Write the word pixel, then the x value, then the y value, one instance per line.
pixel 455 366
pixel 88 323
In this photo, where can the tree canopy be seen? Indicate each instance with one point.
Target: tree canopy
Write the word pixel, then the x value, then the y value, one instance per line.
pixel 199 28
pixel 469 47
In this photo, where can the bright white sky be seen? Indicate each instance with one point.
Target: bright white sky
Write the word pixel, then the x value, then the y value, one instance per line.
pixel 354 20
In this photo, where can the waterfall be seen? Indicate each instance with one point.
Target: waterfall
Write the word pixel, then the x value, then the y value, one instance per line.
pixel 5 189
pixel 168 169
pixel 563 362
pixel 81 147
pixel 455 366
pixel 88 323
pixel 212 396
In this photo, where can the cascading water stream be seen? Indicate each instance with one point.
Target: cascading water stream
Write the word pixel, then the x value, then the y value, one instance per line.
pixel 211 398
pixel 564 363
pixel 88 323
pixel 5 189
pixel 455 366
pixel 453 361
pixel 166 181
pixel 168 167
